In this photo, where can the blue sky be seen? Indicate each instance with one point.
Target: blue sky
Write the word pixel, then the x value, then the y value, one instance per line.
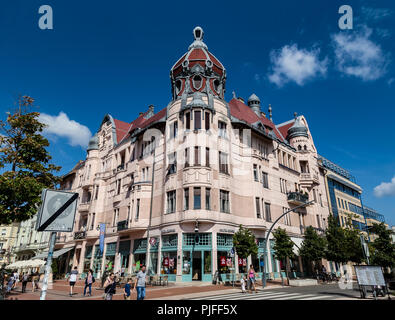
pixel 114 57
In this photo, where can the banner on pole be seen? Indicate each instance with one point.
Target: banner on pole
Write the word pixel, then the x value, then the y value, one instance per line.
pixel 101 239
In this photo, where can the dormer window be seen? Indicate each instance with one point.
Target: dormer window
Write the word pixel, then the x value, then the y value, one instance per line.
pixel 216 85
pixel 197 82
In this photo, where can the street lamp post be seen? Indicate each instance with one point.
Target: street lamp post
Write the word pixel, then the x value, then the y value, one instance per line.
pixel 268 234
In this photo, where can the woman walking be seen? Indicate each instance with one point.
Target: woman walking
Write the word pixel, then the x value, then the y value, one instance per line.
pixel 251 279
pixel 90 279
pixel 109 287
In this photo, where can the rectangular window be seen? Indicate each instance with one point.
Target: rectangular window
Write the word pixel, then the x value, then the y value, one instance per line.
pixel 187 121
pixel 255 172
pixel 224 201
pixel 97 192
pixel 265 180
pixel 207 120
pixel 118 186
pixel 198 120
pixel 267 212
pixel 173 129
pixel 186 157
pixel 221 129
pixel 207 157
pixel 137 209
pixel 223 162
pixel 172 163
pixel 171 201
pixel 186 199
pixel 115 219
pixel 196 198
pixel 197 156
pixel 208 199
pixel 258 208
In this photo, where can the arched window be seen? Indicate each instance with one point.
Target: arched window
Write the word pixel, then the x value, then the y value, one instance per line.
pixel 216 85
pixel 178 86
pixel 305 147
pixel 299 147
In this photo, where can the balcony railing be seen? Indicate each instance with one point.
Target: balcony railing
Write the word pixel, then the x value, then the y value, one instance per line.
pixel 79 235
pixel 122 225
pixel 309 177
pixel 297 198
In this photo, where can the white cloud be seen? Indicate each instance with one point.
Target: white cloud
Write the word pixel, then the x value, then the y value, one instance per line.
pixel 60 125
pixel 385 189
pixel 390 81
pixel 358 56
pixel 290 64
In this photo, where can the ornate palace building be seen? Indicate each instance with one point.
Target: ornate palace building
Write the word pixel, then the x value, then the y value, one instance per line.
pixel 187 176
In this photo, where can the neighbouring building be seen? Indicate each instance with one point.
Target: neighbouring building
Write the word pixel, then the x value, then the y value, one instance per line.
pixel 29 243
pixel 8 235
pixel 173 186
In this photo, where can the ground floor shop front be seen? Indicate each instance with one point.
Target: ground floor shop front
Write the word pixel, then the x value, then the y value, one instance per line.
pixel 181 256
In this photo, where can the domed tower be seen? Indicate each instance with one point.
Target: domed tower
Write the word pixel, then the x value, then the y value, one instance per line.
pixel 93 144
pixel 298 135
pixel 198 70
pixel 255 104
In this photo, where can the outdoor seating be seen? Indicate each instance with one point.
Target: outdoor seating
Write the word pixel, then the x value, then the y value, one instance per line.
pixel 165 280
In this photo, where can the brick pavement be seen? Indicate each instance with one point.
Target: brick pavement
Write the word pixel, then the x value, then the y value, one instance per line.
pixel 60 291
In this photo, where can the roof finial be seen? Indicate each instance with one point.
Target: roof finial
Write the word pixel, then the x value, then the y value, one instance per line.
pixel 234 95
pixel 295 115
pixel 270 112
pixel 198 33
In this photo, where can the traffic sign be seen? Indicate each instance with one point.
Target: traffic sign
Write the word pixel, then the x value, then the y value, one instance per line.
pixel 57 211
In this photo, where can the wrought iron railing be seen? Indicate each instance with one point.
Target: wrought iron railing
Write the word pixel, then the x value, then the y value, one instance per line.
pixel 79 235
pixel 298 197
pixel 122 225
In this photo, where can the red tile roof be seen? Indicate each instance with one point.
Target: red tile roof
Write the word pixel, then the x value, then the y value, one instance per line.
pixel 284 128
pixel 244 113
pixel 121 128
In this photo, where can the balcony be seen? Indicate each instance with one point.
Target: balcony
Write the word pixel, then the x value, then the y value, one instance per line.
pixel 84 206
pixel 309 178
pixel 297 198
pixel 79 235
pixel 122 225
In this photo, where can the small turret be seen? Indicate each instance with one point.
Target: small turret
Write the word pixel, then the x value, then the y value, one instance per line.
pixel 255 104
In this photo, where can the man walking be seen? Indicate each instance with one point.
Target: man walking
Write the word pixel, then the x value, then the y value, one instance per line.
pixel 73 280
pixel 140 283
pixel 25 279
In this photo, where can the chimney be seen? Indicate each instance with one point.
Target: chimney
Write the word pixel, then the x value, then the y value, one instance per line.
pixel 140 114
pixel 263 114
pixel 151 108
pixel 240 99
pixel 270 113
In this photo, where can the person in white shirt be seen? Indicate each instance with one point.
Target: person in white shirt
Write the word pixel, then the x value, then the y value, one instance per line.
pixel 73 280
pixel 243 284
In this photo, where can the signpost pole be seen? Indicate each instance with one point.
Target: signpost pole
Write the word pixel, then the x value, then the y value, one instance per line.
pixel 48 265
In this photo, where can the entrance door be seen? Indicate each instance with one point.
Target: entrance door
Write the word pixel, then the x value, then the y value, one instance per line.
pixel 197 266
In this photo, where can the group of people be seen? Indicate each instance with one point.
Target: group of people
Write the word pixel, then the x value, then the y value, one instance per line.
pixel 110 284
pixel 249 280
pixel 14 278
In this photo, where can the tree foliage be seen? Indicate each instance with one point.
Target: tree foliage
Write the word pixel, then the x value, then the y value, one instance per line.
pixel 313 246
pixel 352 244
pixel 244 243
pixel 335 239
pixel 24 161
pixel 283 245
pixel 383 253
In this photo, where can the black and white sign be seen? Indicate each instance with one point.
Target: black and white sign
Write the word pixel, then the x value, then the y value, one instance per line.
pixel 60 203
pixel 370 275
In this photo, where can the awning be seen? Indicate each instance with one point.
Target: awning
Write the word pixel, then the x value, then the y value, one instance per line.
pixel 297 244
pixel 56 254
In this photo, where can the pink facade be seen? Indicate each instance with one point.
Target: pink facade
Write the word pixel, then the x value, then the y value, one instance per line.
pixel 217 165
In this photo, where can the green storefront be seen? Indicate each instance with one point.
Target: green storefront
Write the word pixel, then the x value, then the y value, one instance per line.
pixel 124 251
pixel 197 257
pixel 139 253
pixel 224 246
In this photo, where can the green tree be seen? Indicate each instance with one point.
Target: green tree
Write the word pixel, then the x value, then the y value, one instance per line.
pixel 383 253
pixel 352 243
pixel 24 161
pixel 335 239
pixel 313 246
pixel 283 249
pixel 244 243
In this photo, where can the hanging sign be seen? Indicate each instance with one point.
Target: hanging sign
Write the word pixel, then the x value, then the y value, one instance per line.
pixel 222 261
pixel 166 262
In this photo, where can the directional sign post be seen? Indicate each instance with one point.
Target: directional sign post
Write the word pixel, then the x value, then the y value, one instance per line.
pixel 56 214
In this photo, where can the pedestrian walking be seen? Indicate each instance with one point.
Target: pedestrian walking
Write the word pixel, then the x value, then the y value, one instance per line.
pixel 140 283
pixel 25 280
pixel 16 279
pixel 35 278
pixel 251 279
pixel 126 290
pixel 90 279
pixel 110 287
pixel 73 280
pixel 243 284
pixel 10 283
